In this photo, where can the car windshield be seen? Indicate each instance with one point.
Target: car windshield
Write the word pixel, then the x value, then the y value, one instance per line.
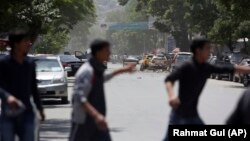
pixel 48 65
pixel 182 58
pixel 236 58
pixel 132 57
pixel 159 58
pixel 68 58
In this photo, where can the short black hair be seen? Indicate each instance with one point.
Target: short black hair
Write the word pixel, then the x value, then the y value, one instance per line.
pixel 98 45
pixel 198 44
pixel 18 35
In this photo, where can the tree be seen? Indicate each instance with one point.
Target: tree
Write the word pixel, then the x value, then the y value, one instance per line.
pixel 46 18
pixel 232 22
pixel 180 18
pixel 52 42
pixel 39 16
pixel 132 41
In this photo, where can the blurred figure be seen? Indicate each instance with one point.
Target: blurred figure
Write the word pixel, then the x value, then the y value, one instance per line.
pixel 241 114
pixel 89 106
pixel 17 86
pixel 192 78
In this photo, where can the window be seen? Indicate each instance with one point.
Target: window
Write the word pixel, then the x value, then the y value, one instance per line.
pixel 48 65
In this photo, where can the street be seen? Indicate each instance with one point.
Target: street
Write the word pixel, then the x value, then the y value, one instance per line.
pixel 138 108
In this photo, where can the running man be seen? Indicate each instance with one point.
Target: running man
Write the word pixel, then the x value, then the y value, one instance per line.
pixel 89 107
pixel 18 85
pixel 192 77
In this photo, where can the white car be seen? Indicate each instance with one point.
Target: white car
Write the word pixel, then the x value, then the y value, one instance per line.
pixel 179 59
pixel 52 78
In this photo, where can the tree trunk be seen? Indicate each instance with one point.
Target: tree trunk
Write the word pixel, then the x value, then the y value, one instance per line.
pixel 182 41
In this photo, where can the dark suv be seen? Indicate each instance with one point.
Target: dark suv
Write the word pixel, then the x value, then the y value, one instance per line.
pixel 221 62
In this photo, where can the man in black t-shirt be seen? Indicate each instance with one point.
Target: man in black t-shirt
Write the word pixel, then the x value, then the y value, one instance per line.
pixel 192 77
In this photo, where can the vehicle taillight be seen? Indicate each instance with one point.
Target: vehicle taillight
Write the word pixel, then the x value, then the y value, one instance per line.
pixel 66 65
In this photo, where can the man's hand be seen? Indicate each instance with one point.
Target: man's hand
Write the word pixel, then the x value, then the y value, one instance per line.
pixel 128 68
pixel 174 102
pixel 42 115
pixel 101 122
pixel 12 101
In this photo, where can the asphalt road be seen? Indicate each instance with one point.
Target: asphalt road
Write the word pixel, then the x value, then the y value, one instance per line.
pixel 138 109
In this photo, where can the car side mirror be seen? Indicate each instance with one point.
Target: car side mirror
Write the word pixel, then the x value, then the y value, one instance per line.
pixel 67 69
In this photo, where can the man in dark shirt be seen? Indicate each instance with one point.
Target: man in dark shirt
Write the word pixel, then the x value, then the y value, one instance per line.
pixel 89 104
pixel 18 83
pixel 241 114
pixel 192 77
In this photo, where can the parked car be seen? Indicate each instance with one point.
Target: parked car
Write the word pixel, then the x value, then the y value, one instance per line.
pixel 246 80
pixel 85 56
pixel 130 60
pixel 236 57
pixel 52 78
pixel 213 61
pixel 228 76
pixel 238 77
pixel 71 61
pixel 158 63
pixel 2 55
pixel 179 59
pixel 146 61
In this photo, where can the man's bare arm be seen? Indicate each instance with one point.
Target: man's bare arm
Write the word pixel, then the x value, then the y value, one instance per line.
pixel 98 117
pixel 174 101
pixel 126 69
pixel 242 69
pixel 170 89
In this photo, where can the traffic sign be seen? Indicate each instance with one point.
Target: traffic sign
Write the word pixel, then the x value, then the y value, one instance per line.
pixel 130 26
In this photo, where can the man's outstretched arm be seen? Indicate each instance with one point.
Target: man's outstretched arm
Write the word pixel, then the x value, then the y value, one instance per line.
pixel 128 68
pixel 242 69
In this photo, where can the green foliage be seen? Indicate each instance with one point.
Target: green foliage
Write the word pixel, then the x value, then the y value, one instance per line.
pixel 52 42
pixel 39 16
pixel 52 19
pixel 181 18
pixel 224 21
pixel 132 41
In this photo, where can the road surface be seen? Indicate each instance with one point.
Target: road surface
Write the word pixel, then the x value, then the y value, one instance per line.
pixel 138 109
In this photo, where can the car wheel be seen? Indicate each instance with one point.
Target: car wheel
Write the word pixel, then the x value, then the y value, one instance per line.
pixel 218 77
pixel 64 100
pixel 241 79
pixel 235 79
pixel 212 76
pixel 230 77
pixel 142 68
pixel 171 69
pixel 245 81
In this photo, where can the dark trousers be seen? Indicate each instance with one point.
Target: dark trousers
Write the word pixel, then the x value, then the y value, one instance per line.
pixel 23 126
pixel 88 132
pixel 176 119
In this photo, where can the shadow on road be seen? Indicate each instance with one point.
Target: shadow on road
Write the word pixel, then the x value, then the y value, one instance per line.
pixel 236 86
pixel 55 129
pixel 53 102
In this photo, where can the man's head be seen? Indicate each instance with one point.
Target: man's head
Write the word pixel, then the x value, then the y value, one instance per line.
pixel 100 49
pixel 201 49
pixel 19 41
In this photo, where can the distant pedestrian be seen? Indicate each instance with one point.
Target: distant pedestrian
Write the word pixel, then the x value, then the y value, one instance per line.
pixel 89 105
pixel 241 114
pixel 192 77
pixel 17 86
